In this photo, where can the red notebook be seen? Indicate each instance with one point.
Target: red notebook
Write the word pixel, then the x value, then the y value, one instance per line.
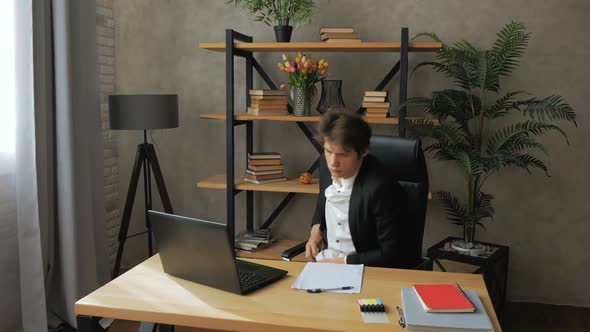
pixel 443 298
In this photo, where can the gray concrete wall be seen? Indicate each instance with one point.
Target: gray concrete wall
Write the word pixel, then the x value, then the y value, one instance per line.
pixel 542 219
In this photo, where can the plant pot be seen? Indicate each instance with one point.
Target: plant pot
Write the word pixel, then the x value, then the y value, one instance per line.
pixel 470 248
pixel 283 33
pixel 331 96
pixel 493 264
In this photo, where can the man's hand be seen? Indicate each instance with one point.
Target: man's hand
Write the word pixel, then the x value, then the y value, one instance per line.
pixel 337 260
pixel 315 243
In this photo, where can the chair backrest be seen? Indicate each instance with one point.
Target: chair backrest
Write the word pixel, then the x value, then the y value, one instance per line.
pixel 404 158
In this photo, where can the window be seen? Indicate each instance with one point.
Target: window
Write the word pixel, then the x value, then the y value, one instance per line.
pixel 7 79
pixel 7 87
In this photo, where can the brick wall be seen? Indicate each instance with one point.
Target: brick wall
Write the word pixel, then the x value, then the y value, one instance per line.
pixel 105 39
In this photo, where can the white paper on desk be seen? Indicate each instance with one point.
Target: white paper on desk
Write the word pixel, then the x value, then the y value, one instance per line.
pixel 330 275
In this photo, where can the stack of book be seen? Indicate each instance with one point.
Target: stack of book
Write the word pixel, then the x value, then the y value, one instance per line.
pixel 376 104
pixel 444 308
pixel 252 241
pixel 267 102
pixel 264 167
pixel 338 35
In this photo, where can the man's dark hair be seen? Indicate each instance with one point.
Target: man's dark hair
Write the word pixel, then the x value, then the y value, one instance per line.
pixel 345 127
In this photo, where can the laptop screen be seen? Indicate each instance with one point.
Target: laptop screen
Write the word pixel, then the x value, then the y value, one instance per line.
pixel 195 250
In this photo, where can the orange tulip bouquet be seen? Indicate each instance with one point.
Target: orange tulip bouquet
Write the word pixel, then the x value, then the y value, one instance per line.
pixel 304 72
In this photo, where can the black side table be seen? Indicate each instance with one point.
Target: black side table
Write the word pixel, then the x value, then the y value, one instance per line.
pixel 494 267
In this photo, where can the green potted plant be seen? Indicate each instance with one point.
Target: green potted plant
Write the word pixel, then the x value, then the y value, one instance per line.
pixel 484 129
pixel 284 14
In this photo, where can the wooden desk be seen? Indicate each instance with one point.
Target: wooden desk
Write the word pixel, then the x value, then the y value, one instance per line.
pixel 146 293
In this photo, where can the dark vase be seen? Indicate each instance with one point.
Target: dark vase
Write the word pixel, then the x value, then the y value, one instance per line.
pixel 331 96
pixel 283 33
pixel 302 100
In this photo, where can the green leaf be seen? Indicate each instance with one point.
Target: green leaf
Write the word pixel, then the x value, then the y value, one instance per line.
pixel 483 206
pixel 488 73
pixel 517 137
pixel 441 152
pixel 450 133
pixel 504 104
pixel 421 128
pixel 524 161
pixel 553 108
pixel 430 35
pixel 445 154
pixel 471 163
pixel 509 47
pixel 433 147
pixel 460 105
pixel 456 62
pixel 438 67
pixel 455 210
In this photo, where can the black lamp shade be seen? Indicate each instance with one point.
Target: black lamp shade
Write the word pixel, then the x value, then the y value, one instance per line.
pixel 142 112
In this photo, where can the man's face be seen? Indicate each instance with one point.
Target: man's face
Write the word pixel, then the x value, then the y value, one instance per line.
pixel 343 162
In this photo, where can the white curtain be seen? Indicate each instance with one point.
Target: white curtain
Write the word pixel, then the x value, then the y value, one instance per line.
pixel 81 263
pixel 23 299
pixel 9 277
pixel 52 233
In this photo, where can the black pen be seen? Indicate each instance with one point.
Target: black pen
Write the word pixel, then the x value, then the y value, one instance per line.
pixel 402 321
pixel 319 290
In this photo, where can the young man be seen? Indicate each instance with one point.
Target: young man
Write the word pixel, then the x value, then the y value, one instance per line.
pixel 360 206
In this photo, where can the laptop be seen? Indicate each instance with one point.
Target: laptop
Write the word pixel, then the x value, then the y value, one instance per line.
pixel 200 251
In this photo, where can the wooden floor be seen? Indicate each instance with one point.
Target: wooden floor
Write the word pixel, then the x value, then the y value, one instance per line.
pixel 544 317
pixel 516 317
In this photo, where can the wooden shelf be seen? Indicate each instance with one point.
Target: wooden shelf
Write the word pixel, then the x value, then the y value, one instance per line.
pixel 289 186
pixel 274 251
pixel 291 118
pixel 326 47
pixel 250 117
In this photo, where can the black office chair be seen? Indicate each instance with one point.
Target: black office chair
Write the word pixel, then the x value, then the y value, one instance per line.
pixel 405 159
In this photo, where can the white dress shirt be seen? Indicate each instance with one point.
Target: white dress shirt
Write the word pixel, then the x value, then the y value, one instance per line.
pixel 338 233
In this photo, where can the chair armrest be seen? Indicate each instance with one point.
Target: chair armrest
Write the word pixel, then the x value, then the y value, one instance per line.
pixel 293 251
pixel 424 265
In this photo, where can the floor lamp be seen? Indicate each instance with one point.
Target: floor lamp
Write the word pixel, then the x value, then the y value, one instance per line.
pixel 142 112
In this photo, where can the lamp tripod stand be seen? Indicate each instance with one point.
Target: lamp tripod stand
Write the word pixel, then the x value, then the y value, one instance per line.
pixel 145 159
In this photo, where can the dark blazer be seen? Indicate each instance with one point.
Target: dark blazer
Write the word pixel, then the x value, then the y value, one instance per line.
pixel 375 214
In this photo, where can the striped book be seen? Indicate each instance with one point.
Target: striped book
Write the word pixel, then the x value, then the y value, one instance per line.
pixel 258 168
pixel 377 105
pixel 375 93
pixel 265 181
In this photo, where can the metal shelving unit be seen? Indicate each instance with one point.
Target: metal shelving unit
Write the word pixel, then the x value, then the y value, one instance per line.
pixel 240 45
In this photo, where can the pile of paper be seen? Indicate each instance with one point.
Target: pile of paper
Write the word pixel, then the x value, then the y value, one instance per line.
pixel 329 276
pixel 250 241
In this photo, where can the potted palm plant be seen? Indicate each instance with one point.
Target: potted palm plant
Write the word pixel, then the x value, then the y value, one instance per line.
pixel 283 13
pixel 469 113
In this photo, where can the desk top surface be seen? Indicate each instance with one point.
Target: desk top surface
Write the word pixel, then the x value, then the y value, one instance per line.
pixel 146 293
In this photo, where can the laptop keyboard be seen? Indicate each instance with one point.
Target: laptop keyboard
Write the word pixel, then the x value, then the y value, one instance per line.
pixel 248 279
